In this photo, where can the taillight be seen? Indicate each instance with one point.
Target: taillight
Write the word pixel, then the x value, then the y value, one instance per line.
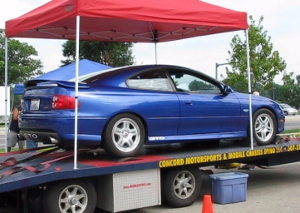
pixel 63 102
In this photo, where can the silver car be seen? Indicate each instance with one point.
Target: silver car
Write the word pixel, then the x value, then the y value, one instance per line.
pixel 288 110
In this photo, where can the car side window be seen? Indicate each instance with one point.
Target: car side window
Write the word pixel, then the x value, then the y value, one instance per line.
pixel 187 82
pixel 151 80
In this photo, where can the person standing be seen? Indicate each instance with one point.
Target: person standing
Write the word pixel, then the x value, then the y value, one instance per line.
pixel 14 130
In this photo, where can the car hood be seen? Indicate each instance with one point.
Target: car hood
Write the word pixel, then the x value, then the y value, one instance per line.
pixel 253 97
pixel 258 101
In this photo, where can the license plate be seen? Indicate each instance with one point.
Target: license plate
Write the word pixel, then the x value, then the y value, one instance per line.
pixel 35 104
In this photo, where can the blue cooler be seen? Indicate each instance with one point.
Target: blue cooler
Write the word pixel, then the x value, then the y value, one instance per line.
pixel 230 187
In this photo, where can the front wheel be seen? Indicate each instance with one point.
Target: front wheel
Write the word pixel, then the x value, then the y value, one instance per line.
pixel 180 186
pixel 124 135
pixel 264 127
pixel 70 196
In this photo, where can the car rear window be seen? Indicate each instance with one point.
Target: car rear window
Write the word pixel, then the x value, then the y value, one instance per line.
pixel 151 80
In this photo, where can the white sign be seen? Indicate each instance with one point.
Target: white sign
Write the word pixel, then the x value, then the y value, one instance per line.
pixel 3 103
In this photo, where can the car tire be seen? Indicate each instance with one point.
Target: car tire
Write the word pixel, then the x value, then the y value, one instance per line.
pixel 65 195
pixel 124 136
pixel 180 186
pixel 264 127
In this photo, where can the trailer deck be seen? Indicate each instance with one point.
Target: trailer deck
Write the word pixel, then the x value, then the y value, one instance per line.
pixel 36 169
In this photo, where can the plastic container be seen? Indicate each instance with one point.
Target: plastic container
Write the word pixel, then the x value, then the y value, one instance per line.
pixel 230 187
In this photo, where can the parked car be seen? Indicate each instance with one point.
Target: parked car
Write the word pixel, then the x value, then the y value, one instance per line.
pixel 121 109
pixel 288 110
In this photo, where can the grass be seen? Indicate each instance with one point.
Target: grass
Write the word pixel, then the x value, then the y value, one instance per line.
pixel 13 150
pixel 17 148
pixel 291 131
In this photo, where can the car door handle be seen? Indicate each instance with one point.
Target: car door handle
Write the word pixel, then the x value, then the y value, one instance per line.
pixel 189 103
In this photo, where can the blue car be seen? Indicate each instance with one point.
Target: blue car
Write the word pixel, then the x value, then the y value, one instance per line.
pixel 122 109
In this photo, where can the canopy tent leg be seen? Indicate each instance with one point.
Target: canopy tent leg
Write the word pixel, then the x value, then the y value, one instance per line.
pixel 6 83
pixel 249 88
pixel 76 90
pixel 155 49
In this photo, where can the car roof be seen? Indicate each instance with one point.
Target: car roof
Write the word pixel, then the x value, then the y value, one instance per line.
pixel 133 69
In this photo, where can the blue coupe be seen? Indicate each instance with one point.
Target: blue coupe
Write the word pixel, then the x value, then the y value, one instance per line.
pixel 122 109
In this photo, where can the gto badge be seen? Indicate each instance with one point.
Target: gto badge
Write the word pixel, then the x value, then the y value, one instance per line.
pixel 31 135
pixel 156 138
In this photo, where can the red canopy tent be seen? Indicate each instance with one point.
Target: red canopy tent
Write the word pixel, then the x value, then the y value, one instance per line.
pixel 124 21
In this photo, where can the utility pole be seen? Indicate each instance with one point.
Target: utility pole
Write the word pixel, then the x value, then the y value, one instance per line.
pixel 217 65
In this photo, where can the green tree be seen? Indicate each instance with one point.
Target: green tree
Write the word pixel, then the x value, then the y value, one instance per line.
pixel 22 61
pixel 289 91
pixel 110 53
pixel 265 63
pixel 197 85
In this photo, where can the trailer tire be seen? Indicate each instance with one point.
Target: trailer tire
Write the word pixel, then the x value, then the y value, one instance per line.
pixel 124 135
pixel 180 186
pixel 264 127
pixel 62 196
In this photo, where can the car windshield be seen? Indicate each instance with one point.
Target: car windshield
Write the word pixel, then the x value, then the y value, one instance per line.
pixel 286 106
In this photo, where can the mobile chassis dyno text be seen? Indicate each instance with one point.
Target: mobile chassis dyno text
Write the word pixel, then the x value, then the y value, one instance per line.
pixel 168 174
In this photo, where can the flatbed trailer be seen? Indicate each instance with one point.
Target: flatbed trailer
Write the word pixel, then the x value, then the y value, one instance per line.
pixel 48 181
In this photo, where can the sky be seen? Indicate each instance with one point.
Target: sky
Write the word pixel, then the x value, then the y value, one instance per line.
pixel 281 20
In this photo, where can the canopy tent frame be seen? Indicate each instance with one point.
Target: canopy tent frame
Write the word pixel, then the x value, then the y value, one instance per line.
pixel 121 35
pixel 190 29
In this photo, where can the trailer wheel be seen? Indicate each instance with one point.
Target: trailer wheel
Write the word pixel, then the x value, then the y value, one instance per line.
pixel 124 135
pixel 180 186
pixel 70 196
pixel 264 127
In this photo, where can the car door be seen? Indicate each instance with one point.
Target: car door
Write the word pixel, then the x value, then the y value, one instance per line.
pixel 203 106
pixel 158 104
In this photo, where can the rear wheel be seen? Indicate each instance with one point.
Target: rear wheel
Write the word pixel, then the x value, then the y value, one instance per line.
pixel 180 186
pixel 124 135
pixel 70 196
pixel 264 127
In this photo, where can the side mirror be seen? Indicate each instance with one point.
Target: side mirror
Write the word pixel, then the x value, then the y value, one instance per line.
pixel 227 89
